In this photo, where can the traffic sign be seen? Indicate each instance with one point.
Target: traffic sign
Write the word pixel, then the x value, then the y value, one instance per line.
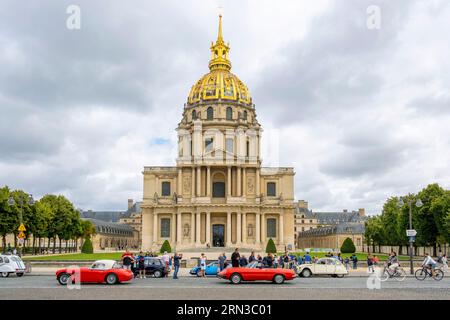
pixel 411 233
pixel 412 239
pixel 22 228
pixel 21 235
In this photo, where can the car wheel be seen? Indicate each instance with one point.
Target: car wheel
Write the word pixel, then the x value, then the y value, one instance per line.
pixel 235 278
pixel 278 279
pixel 157 274
pixel 341 275
pixel 19 274
pixel 306 273
pixel 5 274
pixel 111 278
pixel 63 279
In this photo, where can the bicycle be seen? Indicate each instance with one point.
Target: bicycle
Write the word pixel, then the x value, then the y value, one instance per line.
pixel 425 272
pixel 398 273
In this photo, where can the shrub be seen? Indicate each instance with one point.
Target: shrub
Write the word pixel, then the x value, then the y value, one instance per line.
pixel 348 246
pixel 271 248
pixel 87 246
pixel 165 247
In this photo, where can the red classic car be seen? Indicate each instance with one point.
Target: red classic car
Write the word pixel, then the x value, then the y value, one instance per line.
pixel 255 271
pixel 101 271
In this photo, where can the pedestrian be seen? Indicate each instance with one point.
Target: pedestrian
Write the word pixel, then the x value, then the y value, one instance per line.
pixel 347 263
pixel 370 264
pixel 307 258
pixel 286 260
pixel 141 265
pixel 127 260
pixel 235 257
pixel 176 264
pixel 252 257
pixel 203 265
pixel 243 261
pixel 259 258
pixel 166 259
pixel 340 258
pixel 14 252
pixel 354 259
pixel 221 260
pixel 299 260
pixel 444 261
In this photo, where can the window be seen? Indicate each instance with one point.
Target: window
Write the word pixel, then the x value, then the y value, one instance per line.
pixel 194 115
pixel 209 144
pixel 271 189
pixel 165 186
pixel 219 190
pixel 248 149
pixel 210 113
pixel 245 115
pixel 165 228
pixel 271 228
pixel 229 113
pixel 229 145
pixel 303 221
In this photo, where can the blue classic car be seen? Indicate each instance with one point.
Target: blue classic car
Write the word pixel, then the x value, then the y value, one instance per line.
pixel 211 269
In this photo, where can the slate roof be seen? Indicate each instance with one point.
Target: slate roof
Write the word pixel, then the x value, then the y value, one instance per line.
pixel 331 217
pixel 111 227
pixel 342 228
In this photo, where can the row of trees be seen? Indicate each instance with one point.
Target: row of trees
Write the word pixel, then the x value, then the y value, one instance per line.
pixel 431 220
pixel 52 218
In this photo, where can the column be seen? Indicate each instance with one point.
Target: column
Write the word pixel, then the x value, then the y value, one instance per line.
pixel 199 181
pixel 258 187
pixel 157 186
pixel 238 181
pixel 263 228
pixel 197 229
pixel 258 228
pixel 155 227
pixel 193 182
pixel 244 182
pixel 281 229
pixel 179 227
pixel 208 181
pixel 238 228
pixel 173 228
pixel 208 227
pixel 192 227
pixel 180 182
pixel 229 182
pixel 244 227
pixel 228 229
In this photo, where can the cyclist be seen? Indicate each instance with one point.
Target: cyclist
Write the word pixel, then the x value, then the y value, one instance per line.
pixel 429 262
pixel 393 262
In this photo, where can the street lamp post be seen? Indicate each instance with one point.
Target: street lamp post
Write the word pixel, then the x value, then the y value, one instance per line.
pixel 418 204
pixel 12 202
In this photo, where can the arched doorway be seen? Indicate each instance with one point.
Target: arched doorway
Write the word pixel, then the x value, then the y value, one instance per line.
pixel 218 235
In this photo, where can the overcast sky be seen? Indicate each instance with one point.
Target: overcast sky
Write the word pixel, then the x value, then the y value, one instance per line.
pixel 360 113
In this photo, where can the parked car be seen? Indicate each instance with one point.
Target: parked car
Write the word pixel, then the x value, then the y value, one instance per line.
pixel 257 271
pixel 153 266
pixel 11 264
pixel 101 271
pixel 323 266
pixel 210 270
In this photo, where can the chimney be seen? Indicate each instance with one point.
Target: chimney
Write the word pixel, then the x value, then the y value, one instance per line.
pixel 303 204
pixel 130 203
pixel 362 212
pixel 345 210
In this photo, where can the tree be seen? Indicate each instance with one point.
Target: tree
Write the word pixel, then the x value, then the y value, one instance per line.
pixel 87 246
pixel 348 246
pixel 271 248
pixel 374 232
pixel 165 247
pixel 440 209
pixel 6 216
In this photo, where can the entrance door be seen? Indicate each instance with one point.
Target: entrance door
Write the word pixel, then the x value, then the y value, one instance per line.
pixel 218 235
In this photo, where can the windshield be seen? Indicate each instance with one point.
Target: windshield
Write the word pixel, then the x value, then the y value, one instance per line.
pixel 253 264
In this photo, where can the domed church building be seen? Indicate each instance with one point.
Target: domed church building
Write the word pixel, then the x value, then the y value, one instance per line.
pixel 218 195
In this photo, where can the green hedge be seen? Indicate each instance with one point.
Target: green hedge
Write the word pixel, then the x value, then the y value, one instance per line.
pixel 348 246
pixel 271 248
pixel 87 246
pixel 165 247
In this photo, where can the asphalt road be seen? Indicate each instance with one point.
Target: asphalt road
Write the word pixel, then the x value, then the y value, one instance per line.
pixel 192 288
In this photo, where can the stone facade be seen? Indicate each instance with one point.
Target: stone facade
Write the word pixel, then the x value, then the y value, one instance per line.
pixel 218 194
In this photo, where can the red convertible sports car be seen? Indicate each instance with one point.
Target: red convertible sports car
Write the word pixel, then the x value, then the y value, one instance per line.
pixel 101 271
pixel 255 271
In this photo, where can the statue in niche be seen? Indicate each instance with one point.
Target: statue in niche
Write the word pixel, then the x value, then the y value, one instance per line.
pixel 186 230
pixel 250 230
pixel 186 184
pixel 250 186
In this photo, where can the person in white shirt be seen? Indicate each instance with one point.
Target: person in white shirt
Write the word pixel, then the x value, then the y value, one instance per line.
pixel 429 263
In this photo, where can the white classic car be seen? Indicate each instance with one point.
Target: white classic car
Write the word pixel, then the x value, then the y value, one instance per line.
pixel 323 266
pixel 11 264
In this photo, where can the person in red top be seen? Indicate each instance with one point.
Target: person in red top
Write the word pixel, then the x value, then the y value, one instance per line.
pixel 127 260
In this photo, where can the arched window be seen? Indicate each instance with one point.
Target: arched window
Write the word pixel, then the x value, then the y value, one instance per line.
pixel 271 228
pixel 229 113
pixel 194 115
pixel 210 113
pixel 245 115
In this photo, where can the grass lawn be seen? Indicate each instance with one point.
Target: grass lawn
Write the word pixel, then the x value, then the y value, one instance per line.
pixel 361 255
pixel 78 256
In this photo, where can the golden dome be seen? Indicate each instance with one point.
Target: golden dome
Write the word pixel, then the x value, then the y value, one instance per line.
pixel 219 83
